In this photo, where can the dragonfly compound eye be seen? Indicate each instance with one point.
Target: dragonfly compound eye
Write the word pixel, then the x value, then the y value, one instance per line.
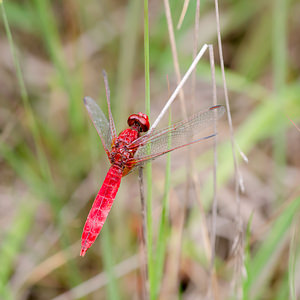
pixel 139 119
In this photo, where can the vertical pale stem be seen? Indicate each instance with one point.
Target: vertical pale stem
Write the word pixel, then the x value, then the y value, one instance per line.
pixel 239 226
pixel 214 282
pixel 175 55
pixel 144 266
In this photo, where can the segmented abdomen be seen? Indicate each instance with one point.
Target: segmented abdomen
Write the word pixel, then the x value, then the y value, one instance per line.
pixel 101 207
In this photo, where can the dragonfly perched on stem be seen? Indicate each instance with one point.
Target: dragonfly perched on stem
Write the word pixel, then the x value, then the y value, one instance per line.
pixel 133 147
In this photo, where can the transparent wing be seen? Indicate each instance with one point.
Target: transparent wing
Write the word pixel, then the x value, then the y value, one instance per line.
pixel 180 134
pixel 111 120
pixel 100 122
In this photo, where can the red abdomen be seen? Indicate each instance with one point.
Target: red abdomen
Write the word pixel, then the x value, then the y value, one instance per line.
pixel 101 207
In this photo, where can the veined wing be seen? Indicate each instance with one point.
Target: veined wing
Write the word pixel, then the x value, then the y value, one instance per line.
pixel 178 135
pixel 100 122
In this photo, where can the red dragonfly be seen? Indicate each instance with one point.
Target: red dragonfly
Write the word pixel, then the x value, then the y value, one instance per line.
pixel 131 148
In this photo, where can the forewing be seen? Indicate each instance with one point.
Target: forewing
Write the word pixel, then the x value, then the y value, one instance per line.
pixel 100 122
pixel 180 134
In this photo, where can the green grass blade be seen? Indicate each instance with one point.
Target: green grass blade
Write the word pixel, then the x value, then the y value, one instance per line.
pixel 247 252
pixel 26 170
pixel 292 264
pixel 282 292
pixel 72 86
pixel 259 267
pixel 39 181
pixel 107 254
pixel 148 165
pixel 23 90
pixel 24 95
pixel 163 230
pixel 20 16
pixel 13 242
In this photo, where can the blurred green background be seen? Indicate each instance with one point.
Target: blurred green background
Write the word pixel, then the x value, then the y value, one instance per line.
pixel 52 162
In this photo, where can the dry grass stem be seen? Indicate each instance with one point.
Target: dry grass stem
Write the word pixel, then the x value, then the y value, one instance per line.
pixel 195 51
pixel 50 235
pixel 170 283
pixel 52 263
pixel 179 86
pixel 175 55
pixel 143 235
pixel 183 12
pixel 174 260
pixel 295 125
pixel 239 222
pixel 100 280
pixel 214 282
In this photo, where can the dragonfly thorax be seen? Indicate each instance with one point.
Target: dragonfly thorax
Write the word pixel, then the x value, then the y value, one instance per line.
pixel 121 153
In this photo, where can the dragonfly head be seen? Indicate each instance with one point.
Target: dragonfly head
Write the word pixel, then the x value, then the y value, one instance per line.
pixel 139 121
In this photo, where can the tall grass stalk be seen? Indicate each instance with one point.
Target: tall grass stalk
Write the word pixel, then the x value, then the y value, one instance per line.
pixel 14 240
pixel 148 165
pixel 163 230
pixel 143 242
pixel 236 171
pixel 247 253
pixel 72 87
pixel 112 289
pixel 214 281
pixel 44 166
pixel 262 264
pixel 293 261
pixel 175 55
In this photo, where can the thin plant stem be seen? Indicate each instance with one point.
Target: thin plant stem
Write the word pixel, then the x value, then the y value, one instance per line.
pixel 190 177
pixel 112 289
pixel 148 166
pixel 214 282
pixel 292 261
pixel 146 57
pixel 239 222
pixel 236 169
pixel 295 125
pixel 100 280
pixel 183 13
pixel 195 50
pixel 164 228
pixel 215 204
pixel 228 110
pixel 210 244
pixel 179 86
pixel 174 54
pixel 143 235
pixel 24 96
